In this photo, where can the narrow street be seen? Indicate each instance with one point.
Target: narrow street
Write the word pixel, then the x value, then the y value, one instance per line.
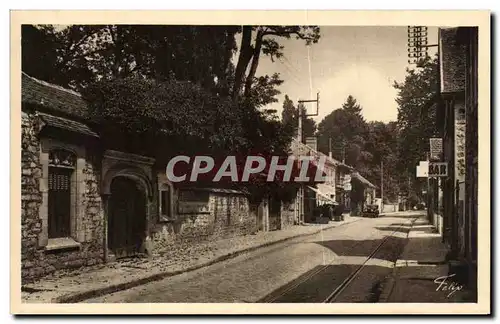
pixel 305 269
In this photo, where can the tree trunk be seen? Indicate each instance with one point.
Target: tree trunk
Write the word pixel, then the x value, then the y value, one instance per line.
pixel 246 52
pixel 255 63
pixel 115 37
pixel 225 72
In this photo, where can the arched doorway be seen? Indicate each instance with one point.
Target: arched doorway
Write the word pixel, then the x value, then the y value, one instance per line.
pixel 126 217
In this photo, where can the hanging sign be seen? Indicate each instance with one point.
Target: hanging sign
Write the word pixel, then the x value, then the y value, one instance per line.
pixel 436 148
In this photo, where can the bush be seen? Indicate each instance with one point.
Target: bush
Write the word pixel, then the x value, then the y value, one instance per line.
pixel 180 112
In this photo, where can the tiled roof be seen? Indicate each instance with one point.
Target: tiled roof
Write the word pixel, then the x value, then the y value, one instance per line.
pixel 52 97
pixel 359 177
pixel 452 61
pixel 299 148
pixel 52 102
pixel 67 124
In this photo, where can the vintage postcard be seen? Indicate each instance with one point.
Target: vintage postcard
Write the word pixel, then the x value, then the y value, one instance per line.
pixel 250 162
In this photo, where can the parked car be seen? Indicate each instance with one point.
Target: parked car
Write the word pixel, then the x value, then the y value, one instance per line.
pixel 330 211
pixel 420 206
pixel 371 211
pixel 338 212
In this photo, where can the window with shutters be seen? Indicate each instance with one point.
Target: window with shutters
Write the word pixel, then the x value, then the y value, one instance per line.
pixel 61 169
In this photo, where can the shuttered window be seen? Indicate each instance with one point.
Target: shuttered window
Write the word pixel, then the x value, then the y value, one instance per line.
pixel 61 168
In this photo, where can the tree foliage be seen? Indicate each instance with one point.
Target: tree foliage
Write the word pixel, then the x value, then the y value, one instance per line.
pixel 346 129
pixel 416 119
pixel 364 146
pixel 290 117
pixel 170 84
pixel 182 114
pixel 87 53
pixel 78 55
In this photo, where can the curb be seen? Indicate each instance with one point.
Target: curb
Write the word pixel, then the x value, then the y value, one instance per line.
pixel 97 292
pixel 390 282
pixel 387 287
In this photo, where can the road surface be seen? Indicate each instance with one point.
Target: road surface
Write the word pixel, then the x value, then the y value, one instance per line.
pixel 306 269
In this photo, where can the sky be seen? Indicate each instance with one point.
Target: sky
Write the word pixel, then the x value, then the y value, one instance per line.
pixel 360 61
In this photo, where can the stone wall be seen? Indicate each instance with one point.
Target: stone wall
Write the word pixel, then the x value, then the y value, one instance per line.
pixel 36 260
pixel 287 214
pixel 31 197
pixel 228 216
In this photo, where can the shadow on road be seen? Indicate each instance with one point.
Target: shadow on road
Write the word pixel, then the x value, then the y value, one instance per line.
pixel 359 248
pixel 315 285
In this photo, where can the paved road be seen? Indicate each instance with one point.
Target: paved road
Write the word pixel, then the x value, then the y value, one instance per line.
pixel 275 273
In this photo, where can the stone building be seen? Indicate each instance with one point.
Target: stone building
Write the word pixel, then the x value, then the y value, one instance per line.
pixel 84 203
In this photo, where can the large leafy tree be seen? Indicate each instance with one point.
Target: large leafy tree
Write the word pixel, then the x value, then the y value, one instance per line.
pixel 365 146
pixel 81 54
pixel 416 120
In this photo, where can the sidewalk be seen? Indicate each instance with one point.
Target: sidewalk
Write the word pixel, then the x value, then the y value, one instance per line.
pixel 404 212
pixel 77 285
pixel 420 270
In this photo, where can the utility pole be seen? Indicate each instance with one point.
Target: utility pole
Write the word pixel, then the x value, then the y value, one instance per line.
pixel 302 114
pixel 417 44
pixel 429 209
pixel 343 150
pixel 382 186
pixel 408 195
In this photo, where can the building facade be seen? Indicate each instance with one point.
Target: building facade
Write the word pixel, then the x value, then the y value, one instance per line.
pixel 343 186
pixel 458 116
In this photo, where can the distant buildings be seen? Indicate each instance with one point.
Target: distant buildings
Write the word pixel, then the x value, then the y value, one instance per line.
pixel 344 186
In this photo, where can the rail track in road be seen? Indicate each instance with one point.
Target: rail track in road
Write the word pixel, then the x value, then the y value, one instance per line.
pixel 339 288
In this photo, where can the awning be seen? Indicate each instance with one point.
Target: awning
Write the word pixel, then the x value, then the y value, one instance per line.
pixel 317 191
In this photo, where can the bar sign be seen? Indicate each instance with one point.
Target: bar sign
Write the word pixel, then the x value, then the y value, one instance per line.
pixel 438 169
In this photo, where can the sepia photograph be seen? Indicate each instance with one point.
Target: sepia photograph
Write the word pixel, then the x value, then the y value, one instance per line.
pixel 221 162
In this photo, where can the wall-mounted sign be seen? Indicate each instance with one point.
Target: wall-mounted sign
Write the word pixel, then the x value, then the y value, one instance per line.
pixel 436 148
pixel 423 169
pixel 438 169
pixel 193 202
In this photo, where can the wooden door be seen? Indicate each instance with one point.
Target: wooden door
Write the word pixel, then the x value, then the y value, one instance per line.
pixel 126 221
